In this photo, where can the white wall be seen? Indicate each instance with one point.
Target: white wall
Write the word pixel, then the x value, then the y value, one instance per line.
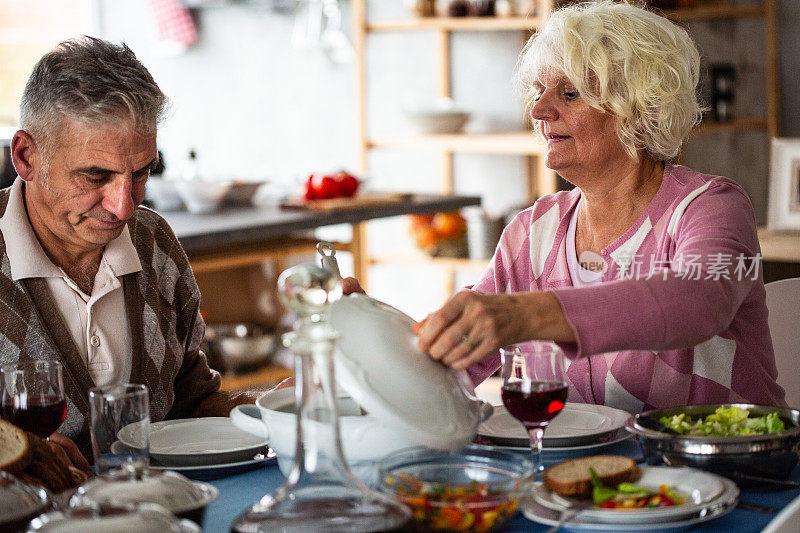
pixel 242 96
pixel 255 107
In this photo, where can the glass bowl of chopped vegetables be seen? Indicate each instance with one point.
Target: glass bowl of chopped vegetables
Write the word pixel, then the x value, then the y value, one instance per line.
pixel 474 489
pixel 750 444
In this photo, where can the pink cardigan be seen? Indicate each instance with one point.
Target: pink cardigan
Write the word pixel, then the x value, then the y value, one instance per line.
pixel 680 317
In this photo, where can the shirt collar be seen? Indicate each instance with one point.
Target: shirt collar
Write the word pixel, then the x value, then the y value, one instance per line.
pixel 28 259
pixel 121 256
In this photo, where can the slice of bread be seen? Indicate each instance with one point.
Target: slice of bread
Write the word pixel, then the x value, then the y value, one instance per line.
pixel 15 453
pixel 572 478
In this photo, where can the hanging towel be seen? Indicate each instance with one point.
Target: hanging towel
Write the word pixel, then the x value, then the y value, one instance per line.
pixel 176 29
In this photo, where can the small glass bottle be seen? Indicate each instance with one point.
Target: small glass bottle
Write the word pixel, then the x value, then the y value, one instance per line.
pixel 191 172
pixel 320 492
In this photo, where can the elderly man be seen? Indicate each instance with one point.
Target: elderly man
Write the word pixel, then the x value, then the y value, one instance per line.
pixel 88 277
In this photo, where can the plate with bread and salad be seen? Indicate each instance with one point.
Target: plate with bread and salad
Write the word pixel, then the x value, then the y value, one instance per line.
pixel 611 492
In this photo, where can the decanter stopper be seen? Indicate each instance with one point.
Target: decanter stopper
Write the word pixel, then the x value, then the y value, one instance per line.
pixel 309 290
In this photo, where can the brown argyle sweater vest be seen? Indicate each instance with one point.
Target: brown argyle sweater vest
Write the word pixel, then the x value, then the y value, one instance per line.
pixel 162 303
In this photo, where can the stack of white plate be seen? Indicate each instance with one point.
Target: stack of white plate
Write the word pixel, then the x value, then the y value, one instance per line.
pixel 580 429
pixel 208 446
pixel 708 496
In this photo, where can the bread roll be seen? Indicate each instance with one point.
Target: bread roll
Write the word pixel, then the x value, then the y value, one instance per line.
pixel 48 466
pixel 572 477
pixel 15 453
pixel 30 458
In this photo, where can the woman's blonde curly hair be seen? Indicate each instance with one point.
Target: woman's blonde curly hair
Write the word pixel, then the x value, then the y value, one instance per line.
pixel 624 60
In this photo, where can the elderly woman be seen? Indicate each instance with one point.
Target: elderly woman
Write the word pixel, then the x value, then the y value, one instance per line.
pixel 647 272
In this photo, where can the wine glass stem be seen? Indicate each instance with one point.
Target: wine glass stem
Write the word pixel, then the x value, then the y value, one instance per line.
pixel 535 433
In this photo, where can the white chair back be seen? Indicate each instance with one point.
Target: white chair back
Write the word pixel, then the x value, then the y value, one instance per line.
pixel 783 303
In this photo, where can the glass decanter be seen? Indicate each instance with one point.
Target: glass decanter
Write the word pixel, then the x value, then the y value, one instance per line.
pixel 320 492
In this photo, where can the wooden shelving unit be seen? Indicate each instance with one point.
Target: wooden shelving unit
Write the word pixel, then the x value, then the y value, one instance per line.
pixel 531 23
pixel 516 142
pixel 524 142
pixel 716 12
pixel 456 24
pixel 737 124
pixel 780 246
pixel 419 257
pixel 540 179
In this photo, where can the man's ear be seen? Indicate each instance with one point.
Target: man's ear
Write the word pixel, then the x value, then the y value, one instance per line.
pixel 25 155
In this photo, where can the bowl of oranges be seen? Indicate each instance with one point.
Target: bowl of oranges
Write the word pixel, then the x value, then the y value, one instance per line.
pixel 440 234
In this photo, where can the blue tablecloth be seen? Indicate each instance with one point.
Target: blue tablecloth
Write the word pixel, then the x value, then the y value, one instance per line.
pixel 240 491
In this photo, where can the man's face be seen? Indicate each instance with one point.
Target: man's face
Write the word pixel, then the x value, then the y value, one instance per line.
pixel 91 182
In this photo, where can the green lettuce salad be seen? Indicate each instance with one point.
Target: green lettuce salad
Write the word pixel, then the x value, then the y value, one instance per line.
pixel 725 422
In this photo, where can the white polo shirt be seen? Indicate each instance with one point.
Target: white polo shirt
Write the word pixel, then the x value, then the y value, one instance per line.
pixel 98 323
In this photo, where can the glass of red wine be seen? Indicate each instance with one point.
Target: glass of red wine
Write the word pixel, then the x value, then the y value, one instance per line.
pixel 33 396
pixel 534 388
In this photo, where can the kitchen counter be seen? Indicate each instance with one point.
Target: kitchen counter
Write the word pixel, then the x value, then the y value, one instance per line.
pixel 248 225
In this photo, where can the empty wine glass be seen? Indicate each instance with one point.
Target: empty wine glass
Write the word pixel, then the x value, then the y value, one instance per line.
pixel 534 388
pixel 33 396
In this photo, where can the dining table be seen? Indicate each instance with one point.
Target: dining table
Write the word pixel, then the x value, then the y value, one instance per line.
pixel 239 491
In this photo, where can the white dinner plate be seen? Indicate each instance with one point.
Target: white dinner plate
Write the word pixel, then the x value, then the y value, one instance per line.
pixel 554 455
pixel 577 424
pixel 209 472
pixel 700 489
pixel 260 459
pixel 199 442
pixel 723 504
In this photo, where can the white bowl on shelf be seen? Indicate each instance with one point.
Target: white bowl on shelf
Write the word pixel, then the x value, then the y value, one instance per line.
pixel 440 116
pixel 201 197
pixel 163 194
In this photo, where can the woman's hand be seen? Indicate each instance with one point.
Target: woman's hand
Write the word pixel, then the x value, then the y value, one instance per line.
pixel 351 285
pixel 471 325
pixel 66 449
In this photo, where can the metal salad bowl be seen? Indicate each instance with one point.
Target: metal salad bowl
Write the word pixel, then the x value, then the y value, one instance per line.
pixel 748 459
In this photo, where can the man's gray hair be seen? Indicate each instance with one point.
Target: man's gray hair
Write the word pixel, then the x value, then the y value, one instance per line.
pixel 91 80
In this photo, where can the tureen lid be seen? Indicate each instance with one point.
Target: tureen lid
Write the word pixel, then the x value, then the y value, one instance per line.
pixel 380 366
pixel 112 518
pixel 19 500
pixel 171 490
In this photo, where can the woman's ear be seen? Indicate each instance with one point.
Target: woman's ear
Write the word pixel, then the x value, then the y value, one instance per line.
pixel 25 155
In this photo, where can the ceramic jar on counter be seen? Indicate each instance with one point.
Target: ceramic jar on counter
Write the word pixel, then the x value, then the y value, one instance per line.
pixel 471 8
pixel 422 8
